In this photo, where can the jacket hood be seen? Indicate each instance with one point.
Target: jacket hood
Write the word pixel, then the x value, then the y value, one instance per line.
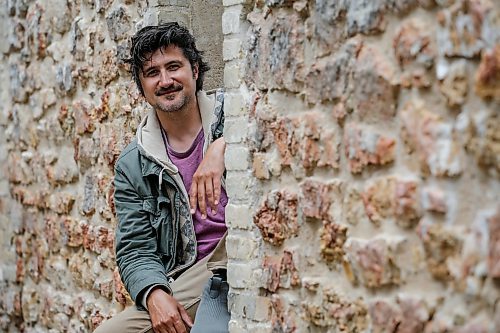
pixel 149 132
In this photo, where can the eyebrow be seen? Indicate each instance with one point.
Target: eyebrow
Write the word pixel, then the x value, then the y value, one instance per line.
pixel 172 62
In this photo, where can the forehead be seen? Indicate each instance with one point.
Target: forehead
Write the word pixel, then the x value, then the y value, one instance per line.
pixel 165 55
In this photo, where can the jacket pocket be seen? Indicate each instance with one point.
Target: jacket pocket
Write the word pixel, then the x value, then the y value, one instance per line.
pixel 160 219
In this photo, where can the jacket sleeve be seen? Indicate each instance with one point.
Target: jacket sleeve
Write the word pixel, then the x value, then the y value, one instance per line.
pixel 136 245
pixel 217 127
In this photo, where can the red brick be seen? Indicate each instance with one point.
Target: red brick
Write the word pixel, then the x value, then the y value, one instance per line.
pixel 277 217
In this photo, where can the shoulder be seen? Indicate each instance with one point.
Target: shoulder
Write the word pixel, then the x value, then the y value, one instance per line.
pixel 128 157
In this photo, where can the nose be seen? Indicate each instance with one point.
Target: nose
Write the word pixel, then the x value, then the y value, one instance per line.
pixel 165 79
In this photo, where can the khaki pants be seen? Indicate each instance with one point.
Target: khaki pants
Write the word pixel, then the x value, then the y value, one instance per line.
pixel 186 289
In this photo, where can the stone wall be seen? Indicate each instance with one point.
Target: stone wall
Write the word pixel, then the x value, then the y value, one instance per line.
pixel 68 109
pixel 364 160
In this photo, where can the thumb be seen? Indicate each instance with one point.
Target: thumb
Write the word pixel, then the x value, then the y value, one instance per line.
pixel 185 316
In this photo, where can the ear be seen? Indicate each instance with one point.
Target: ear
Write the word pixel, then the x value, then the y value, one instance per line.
pixel 195 71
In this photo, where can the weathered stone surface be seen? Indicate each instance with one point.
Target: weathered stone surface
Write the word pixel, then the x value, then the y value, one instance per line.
pixel 316 198
pixel 484 140
pixel 332 239
pixel 494 245
pixel 276 52
pixel 374 261
pixel 336 70
pixel 118 22
pixel 303 143
pixel 374 86
pixel 365 147
pixel 413 45
pixel 390 197
pixel 454 85
pixel 334 310
pixel 277 217
pixel 431 139
pixel 488 74
pixel 280 272
pixel 440 244
pixel 461 27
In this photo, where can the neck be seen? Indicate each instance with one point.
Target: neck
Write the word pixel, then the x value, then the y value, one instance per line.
pixel 181 126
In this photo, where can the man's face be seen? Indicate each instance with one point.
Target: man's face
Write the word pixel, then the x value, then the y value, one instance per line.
pixel 168 80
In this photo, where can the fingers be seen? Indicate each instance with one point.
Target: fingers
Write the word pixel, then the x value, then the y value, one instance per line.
pixel 174 323
pixel 193 194
pixel 202 200
pixel 179 326
pixel 217 190
pixel 209 189
pixel 185 316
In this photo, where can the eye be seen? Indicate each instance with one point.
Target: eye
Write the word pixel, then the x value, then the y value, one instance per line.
pixel 151 73
pixel 173 67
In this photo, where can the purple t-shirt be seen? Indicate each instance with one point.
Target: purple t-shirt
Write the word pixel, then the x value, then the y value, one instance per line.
pixel 210 230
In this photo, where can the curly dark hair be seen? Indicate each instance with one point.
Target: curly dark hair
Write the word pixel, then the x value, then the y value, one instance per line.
pixel 151 38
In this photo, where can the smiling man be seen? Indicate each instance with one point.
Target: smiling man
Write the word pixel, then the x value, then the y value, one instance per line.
pixel 168 195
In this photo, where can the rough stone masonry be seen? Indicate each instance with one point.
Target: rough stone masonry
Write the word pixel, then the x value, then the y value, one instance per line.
pixel 364 164
pixel 68 109
pixel 363 161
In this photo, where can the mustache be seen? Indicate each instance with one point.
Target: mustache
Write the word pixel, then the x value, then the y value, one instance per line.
pixel 168 90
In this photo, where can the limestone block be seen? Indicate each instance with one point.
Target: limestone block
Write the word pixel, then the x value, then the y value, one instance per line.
pixel 241 247
pixel 238 216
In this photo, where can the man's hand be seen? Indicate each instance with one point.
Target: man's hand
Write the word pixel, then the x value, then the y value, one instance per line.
pixel 207 179
pixel 167 315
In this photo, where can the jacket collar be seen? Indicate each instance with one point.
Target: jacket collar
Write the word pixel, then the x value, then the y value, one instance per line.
pixel 149 137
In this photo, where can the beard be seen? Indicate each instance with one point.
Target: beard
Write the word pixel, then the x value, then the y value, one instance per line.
pixel 174 96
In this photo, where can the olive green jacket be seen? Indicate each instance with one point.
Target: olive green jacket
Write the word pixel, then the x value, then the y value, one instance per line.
pixel 155 236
